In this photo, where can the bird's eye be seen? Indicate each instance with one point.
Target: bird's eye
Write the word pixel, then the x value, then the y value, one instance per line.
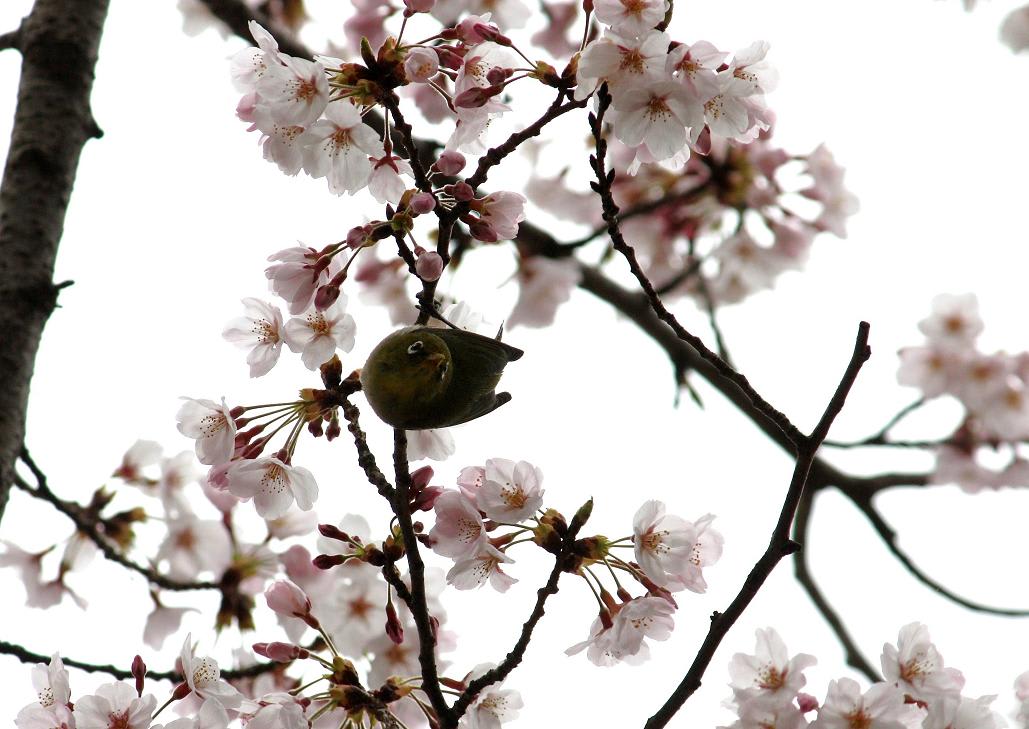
pixel 416 347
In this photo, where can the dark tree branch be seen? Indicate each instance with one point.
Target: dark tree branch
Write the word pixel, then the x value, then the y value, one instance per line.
pixel 416 568
pixel 58 41
pixel 603 188
pixel 889 538
pixel 26 656
pixel 780 545
pixel 365 457
pixel 879 438
pixel 11 39
pixel 802 572
pixel 89 529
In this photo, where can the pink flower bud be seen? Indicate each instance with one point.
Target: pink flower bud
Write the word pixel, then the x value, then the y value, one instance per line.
pixel 328 561
pixel 421 64
pixel 277 651
pixel 426 498
pixel 461 191
pixel 450 163
pixel 287 599
pixel 475 97
pixel 498 75
pixel 422 203
pixel 138 673
pixel 394 629
pixel 325 296
pixel 806 702
pixel 357 236
pixel 450 58
pixel 419 6
pixel 420 478
pixel 429 266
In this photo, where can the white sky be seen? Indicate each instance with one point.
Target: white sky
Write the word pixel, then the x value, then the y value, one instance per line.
pixel 174 213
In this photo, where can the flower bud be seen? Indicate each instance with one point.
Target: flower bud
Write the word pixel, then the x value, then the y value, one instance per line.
pixel 325 296
pixel 138 673
pixel 422 203
pixel 806 702
pixel 328 561
pixel 450 163
pixel 419 6
pixel 429 266
pixel 278 651
pixel 475 97
pixel 287 599
pixel 483 231
pixel 461 191
pixel 498 75
pixel 394 629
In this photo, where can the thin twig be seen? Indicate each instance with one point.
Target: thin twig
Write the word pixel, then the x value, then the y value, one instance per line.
pixel 26 656
pixel 87 528
pixel 802 572
pixel 365 457
pixel 879 438
pixel 237 15
pixel 780 545
pixel 611 211
pixel 889 538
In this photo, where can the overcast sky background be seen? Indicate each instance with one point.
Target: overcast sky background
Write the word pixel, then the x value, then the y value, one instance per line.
pixel 174 213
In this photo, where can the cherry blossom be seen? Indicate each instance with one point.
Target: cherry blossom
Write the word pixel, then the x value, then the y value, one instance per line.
pixel 493 705
pixel 881 707
pixel 421 64
pixel 295 91
pixel 338 146
pixel 543 285
pixel 203 677
pixel 385 183
pixel 656 114
pixel 631 17
pixel 297 275
pixel 769 673
pixel 954 322
pixel 467 574
pixel 259 330
pixel 212 426
pixel 750 68
pixel 114 706
pixel 436 444
pixel 318 334
pixel 194 546
pixel 51 682
pixel 212 715
pixel 502 212
pixel 764 713
pixel 672 551
pixel 459 531
pixel 961 712
pixel 622 62
pixel 827 188
pixel 162 622
pixel 695 67
pixel 273 485
pixel 36 716
pixel 274 711
pixel 141 455
pixel 510 491
pixel 622 639
pixel 353 613
pixel 916 667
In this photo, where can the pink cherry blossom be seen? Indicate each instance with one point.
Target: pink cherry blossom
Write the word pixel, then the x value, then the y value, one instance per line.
pixel 273 485
pixel 470 480
pixel 297 275
pixel 631 17
pixel 750 68
pixel 470 573
pixel 553 37
pixel 194 546
pixel 639 618
pixel 493 706
pixel 672 551
pixel 294 92
pixel 435 444
pixel 961 712
pixel 212 715
pixel 543 285
pixel 259 330
pixel 459 531
pixel 421 64
pixel 763 713
pixel 338 146
pixel 274 711
pixel 161 623
pixel 385 183
pixel 656 114
pixel 204 677
pixel 622 62
pixel 36 716
pixel 114 706
pixel 954 322
pixel 934 370
pixel 695 67
pixel 287 599
pixel 318 334
pixel 142 454
pixel 916 667
pixel 510 491
pixel 770 672
pixel 212 426
pixel 881 707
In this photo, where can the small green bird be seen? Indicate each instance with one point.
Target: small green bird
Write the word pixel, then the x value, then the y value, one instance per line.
pixel 422 377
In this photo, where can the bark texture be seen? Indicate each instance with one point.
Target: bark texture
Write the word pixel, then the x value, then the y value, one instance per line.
pixel 58 42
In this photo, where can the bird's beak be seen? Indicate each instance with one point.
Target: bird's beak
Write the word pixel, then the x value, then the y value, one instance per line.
pixel 436 359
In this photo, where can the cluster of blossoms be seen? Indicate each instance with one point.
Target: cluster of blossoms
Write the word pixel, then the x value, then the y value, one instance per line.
pixel 918 691
pixel 993 388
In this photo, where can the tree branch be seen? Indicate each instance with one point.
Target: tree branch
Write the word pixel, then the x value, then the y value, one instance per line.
pixel 89 529
pixel 780 545
pixel 58 41
pixel 802 572
pixel 237 15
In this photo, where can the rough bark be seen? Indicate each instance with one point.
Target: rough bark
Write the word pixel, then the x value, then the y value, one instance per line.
pixel 58 42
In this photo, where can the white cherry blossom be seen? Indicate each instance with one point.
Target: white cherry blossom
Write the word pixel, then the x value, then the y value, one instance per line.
pixel 204 677
pixel 114 706
pixel 212 426
pixel 318 334
pixel 338 146
pixel 510 491
pixel 273 485
pixel 260 330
